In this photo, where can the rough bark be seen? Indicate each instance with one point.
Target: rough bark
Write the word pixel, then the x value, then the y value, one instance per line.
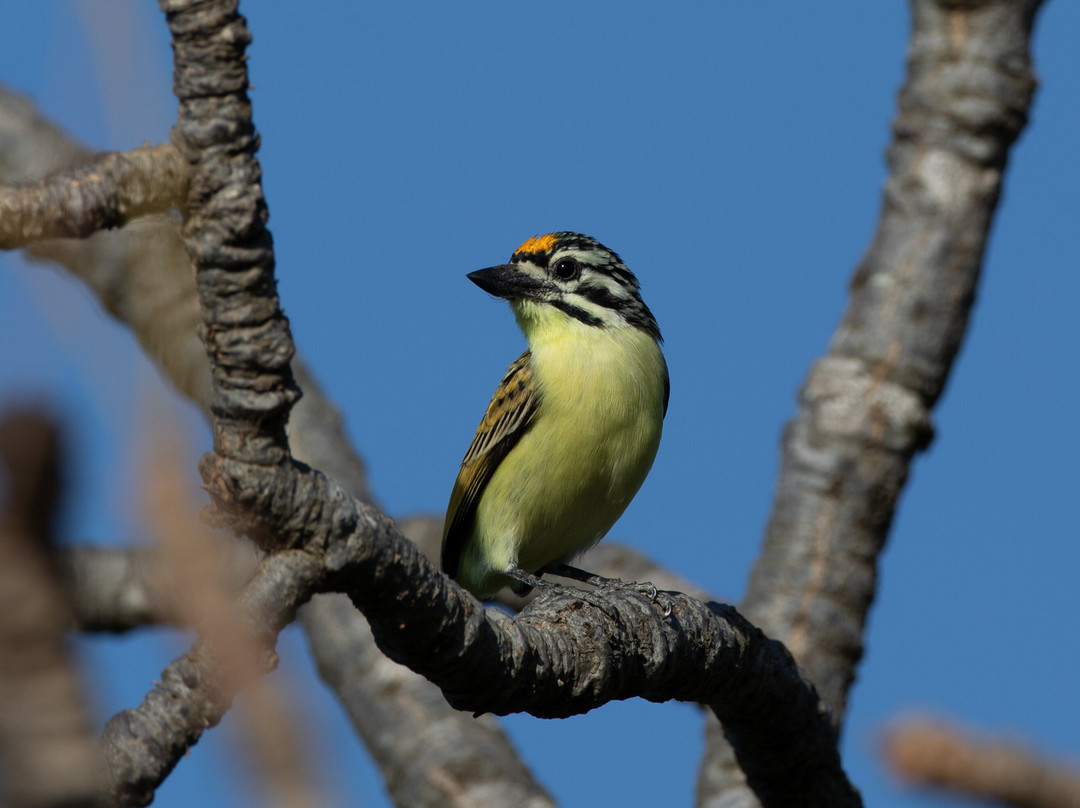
pixel 865 409
pixel 109 192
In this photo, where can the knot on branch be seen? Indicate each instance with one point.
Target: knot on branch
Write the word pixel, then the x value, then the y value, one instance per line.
pixel 279 506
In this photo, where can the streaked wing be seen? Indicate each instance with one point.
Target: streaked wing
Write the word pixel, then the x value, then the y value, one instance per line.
pixel 508 416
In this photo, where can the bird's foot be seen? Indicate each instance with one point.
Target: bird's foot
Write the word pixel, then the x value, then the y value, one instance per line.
pixel 603 584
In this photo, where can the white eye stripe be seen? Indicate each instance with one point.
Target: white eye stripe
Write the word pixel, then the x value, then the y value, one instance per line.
pixel 600 268
pixel 590 258
pixel 602 280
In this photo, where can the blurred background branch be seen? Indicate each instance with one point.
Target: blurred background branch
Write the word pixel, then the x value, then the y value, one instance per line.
pixel 47 750
pixel 930 754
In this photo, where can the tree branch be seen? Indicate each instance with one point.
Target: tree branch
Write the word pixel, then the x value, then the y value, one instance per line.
pixel 117 589
pixel 865 409
pixel 567 653
pixel 139 747
pixel 244 330
pixel 472 763
pixel 926 753
pixel 109 192
pixel 46 744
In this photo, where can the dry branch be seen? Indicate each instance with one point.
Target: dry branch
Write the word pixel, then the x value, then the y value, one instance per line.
pixel 865 409
pixel 109 192
pixel 927 753
pixel 452 759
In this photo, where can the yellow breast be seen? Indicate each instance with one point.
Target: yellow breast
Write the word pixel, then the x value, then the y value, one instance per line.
pixel 586 454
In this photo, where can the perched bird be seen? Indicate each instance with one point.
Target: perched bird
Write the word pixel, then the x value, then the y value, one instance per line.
pixel 573 427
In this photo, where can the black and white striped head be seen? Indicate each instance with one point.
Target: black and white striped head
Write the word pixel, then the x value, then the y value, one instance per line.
pixel 575 274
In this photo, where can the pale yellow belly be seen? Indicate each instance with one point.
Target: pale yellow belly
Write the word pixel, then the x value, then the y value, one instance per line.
pixel 572 474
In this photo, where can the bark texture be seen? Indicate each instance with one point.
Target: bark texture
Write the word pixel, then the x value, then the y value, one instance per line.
pixel 865 409
pixel 109 192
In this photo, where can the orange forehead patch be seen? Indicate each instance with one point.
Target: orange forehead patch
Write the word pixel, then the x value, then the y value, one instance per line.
pixel 538 244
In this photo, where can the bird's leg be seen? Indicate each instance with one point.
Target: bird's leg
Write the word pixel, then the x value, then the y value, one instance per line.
pixel 584 576
pixel 523 582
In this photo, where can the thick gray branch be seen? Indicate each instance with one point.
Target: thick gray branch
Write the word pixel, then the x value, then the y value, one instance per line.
pixel 565 654
pixel 429 753
pixel 246 334
pixel 454 762
pixel 865 409
pixel 452 758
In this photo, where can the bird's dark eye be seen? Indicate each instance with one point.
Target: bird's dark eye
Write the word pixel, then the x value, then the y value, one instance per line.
pixel 566 269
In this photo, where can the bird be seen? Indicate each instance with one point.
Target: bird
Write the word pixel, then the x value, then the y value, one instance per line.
pixel 573 427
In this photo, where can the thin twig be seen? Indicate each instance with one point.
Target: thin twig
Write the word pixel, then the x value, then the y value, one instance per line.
pixel 924 752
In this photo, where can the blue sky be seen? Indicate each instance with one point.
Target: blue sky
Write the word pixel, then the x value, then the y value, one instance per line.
pixel 733 155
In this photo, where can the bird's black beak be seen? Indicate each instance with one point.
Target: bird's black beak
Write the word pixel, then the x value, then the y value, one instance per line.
pixel 507 281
